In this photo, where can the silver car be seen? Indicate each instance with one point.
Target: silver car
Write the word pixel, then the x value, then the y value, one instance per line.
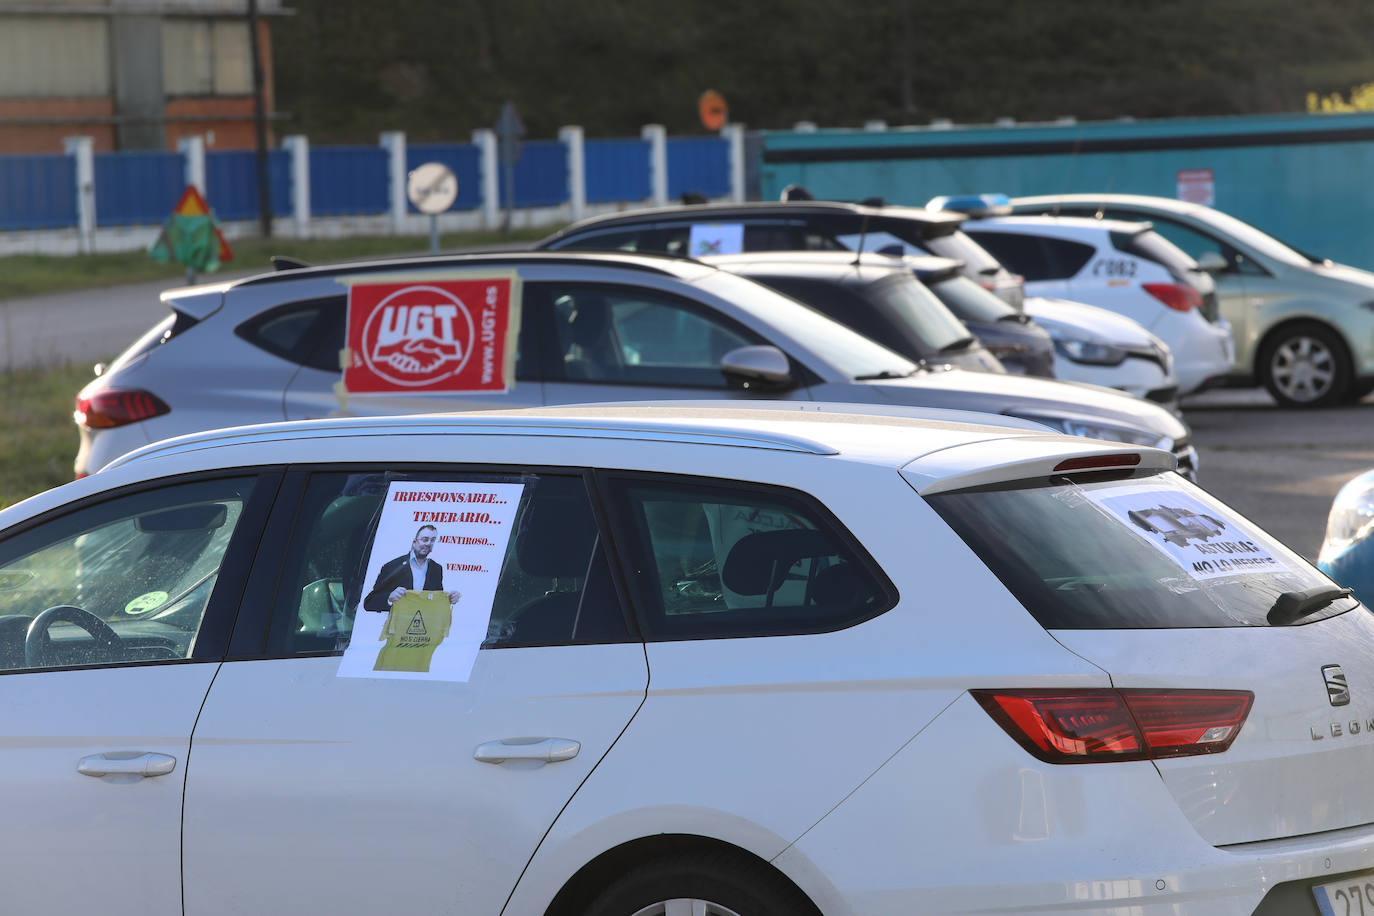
pixel 593 328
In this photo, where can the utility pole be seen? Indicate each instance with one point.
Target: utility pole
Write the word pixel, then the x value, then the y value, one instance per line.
pixel 260 125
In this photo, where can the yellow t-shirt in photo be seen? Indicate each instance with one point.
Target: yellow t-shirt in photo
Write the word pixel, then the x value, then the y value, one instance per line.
pixel 417 623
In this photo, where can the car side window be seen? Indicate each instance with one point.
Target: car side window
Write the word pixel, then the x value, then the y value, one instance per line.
pixel 308 333
pixel 1022 254
pixel 632 336
pixel 555 586
pixel 124 580
pixel 1195 243
pixel 719 560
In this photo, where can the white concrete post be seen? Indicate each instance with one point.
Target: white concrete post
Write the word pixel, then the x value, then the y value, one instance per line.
pixel 298 145
pixel 192 151
pixel 573 138
pixel 657 135
pixel 734 135
pixel 83 150
pixel 394 142
pixel 485 140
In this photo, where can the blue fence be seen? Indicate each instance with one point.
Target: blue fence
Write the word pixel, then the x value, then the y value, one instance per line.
pixel 37 192
pixel 616 170
pixel 135 189
pixel 231 183
pixel 463 159
pixel 541 175
pixel 348 180
pixel 700 164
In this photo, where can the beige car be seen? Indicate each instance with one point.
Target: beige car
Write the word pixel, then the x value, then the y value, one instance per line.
pixel 1303 326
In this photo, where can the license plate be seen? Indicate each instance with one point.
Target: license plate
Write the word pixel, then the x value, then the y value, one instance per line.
pixel 1352 897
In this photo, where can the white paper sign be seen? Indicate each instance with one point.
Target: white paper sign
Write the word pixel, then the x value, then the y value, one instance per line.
pixel 431 580
pixel 716 238
pixel 1186 531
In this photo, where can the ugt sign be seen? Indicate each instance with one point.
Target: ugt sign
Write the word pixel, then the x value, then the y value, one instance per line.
pixel 454 334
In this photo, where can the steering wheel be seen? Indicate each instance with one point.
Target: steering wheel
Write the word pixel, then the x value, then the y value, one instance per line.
pixel 38 647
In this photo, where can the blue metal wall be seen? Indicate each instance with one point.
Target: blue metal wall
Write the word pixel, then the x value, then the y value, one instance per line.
pixel 37 192
pixel 463 159
pixel 348 181
pixel 135 189
pixel 231 183
pixel 700 164
pixel 541 174
pixel 1302 178
pixel 616 170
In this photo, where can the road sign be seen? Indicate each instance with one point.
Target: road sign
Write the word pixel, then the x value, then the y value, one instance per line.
pixel 191 236
pixel 509 130
pixel 432 187
pixel 712 109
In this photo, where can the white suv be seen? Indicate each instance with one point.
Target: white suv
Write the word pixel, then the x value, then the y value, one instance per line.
pixel 697 660
pixel 1123 267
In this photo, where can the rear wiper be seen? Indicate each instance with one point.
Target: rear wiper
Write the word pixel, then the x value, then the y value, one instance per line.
pixel 963 343
pixel 1293 606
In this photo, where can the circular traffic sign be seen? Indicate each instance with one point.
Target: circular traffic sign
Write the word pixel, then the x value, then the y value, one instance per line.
pixel 432 187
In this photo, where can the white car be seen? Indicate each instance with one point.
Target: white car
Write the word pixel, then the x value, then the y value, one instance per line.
pixel 700 660
pixel 1125 268
pixel 1094 345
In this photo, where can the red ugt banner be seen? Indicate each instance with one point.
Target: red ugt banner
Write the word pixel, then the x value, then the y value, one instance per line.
pixel 451 335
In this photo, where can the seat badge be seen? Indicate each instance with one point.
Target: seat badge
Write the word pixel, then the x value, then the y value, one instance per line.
pixel 1336 689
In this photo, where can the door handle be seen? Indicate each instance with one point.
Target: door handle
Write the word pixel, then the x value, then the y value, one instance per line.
pixel 119 763
pixel 549 750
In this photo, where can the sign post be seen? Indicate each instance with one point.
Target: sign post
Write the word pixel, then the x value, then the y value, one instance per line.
pixel 432 188
pixel 191 237
pixel 508 131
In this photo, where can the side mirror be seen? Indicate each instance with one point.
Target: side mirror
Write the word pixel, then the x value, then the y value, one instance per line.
pixel 764 368
pixel 1212 262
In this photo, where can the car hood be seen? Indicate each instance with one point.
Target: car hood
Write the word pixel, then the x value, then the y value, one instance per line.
pixel 1093 321
pixel 1029 397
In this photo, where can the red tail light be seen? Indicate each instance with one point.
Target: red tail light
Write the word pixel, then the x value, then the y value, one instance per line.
pixel 1178 296
pixel 1101 725
pixel 113 407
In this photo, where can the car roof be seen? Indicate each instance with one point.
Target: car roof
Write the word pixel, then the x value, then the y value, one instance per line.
pixel 755 209
pixel 842 266
pixel 1164 204
pixel 1071 223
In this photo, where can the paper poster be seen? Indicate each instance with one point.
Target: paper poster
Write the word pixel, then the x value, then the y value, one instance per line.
pixel 1203 545
pixel 716 238
pixel 431 580
pixel 1197 186
pixel 451 334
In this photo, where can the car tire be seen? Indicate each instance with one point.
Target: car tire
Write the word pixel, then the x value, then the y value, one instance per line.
pixel 1306 365
pixel 714 883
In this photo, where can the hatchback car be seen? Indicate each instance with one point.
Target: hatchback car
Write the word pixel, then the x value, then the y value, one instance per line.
pixel 762 662
pixel 592 327
pixel 1304 327
pixel 1125 268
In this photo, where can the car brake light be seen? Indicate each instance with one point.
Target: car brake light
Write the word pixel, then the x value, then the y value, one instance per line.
pixel 1098 725
pixel 1097 462
pixel 117 407
pixel 1178 296
pixel 989 285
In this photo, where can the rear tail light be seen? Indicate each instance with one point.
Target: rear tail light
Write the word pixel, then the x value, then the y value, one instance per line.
pixel 1099 725
pixel 113 407
pixel 1178 296
pixel 1098 462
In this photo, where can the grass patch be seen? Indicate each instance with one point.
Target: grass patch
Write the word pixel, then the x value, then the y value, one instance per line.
pixel 37 274
pixel 40 440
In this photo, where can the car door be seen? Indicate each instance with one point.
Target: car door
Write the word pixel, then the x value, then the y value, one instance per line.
pixel 116 615
pixel 313 792
pixel 615 342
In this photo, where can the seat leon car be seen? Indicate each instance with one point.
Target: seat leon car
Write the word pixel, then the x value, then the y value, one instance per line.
pixel 618 661
pixel 1304 326
pixel 589 327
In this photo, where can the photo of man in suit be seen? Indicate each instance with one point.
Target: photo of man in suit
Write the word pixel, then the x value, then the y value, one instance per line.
pixel 414 570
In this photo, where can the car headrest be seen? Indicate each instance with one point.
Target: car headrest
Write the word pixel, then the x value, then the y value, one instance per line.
pixel 758 563
pixel 555 537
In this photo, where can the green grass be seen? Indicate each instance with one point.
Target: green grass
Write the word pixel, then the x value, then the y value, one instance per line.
pixel 36 274
pixel 40 440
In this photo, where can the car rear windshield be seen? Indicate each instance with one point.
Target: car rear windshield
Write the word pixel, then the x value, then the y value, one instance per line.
pixel 1143 552
pixel 970 302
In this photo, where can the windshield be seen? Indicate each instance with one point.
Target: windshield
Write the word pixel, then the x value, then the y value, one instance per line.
pixel 1257 241
pixel 919 309
pixel 774 315
pixel 1145 552
pixel 962 247
pixel 970 302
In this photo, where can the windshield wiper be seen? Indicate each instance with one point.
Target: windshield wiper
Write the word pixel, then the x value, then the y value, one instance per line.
pixel 889 373
pixel 1293 606
pixel 963 343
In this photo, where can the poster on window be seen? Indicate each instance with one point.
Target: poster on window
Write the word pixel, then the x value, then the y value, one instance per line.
pixel 431 580
pixel 716 238
pixel 452 333
pixel 1198 539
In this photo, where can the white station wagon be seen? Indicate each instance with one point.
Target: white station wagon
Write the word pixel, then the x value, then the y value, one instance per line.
pixel 625 661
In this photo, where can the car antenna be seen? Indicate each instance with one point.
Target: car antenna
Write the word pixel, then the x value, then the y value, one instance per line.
pixel 863 233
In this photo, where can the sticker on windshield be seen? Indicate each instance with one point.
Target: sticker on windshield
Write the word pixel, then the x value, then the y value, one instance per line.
pixel 716 238
pixel 148 601
pixel 431 580
pixel 1204 545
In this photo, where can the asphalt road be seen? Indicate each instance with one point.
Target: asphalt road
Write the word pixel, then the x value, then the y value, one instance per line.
pixel 1280 468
